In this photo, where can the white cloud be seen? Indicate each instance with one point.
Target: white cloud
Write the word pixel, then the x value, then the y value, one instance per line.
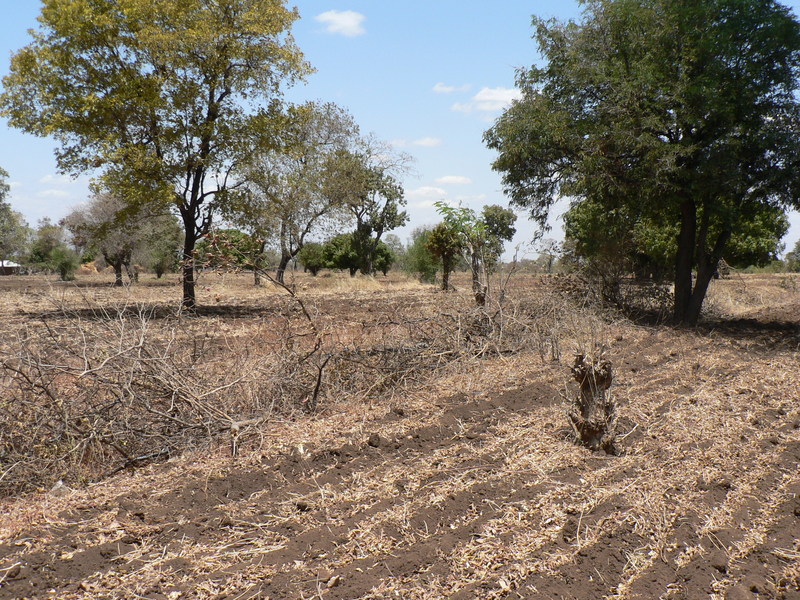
pixel 489 100
pixel 425 142
pixel 442 88
pixel 454 180
pixel 426 191
pixel 342 22
pixel 50 178
pixel 52 193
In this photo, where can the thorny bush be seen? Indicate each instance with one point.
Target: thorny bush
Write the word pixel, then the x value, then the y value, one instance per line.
pixel 88 393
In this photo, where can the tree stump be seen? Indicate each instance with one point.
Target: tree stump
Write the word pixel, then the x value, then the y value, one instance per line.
pixel 593 411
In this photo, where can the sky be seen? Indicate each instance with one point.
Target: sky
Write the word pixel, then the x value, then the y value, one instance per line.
pixel 429 77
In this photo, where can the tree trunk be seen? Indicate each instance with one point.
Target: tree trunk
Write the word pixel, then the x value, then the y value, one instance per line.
pixel 446 268
pixel 706 267
pixel 279 274
pixel 189 301
pixel 256 277
pixel 117 273
pixel 684 261
pixel 479 288
pixel 132 271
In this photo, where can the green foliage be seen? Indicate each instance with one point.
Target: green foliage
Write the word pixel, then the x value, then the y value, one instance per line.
pixel 758 240
pixel 384 258
pixel 162 247
pixel 49 251
pixel 340 253
pixel 159 96
pixel 419 259
pixel 793 259
pixel 482 238
pixel 124 236
pixel 64 261
pixel 622 242
pixel 661 112
pixel 14 231
pixel 445 243
pixel 312 257
pixel 499 229
pixel 364 182
pixel 288 201
pixel 231 249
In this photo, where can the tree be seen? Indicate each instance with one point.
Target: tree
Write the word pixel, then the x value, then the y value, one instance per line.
pixel 481 237
pixel 793 259
pixel 49 250
pixel 163 98
pixel 384 258
pixel 162 246
pixel 445 243
pixel 14 231
pixel 312 257
pixel 682 112
pixel 288 200
pixel 419 258
pixel 108 227
pixel 613 244
pixel 549 251
pixel 499 229
pixel 340 253
pixel 230 249
pixel 364 181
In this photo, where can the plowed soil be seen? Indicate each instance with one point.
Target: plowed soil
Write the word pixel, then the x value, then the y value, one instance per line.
pixel 471 486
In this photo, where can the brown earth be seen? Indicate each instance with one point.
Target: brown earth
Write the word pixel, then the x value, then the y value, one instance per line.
pixel 468 485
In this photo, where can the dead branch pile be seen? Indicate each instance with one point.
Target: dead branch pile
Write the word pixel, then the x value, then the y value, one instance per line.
pixel 83 398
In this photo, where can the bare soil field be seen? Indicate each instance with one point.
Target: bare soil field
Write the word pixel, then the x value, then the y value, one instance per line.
pixel 376 439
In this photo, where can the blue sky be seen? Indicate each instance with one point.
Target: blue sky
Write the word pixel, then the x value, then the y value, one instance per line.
pixel 429 77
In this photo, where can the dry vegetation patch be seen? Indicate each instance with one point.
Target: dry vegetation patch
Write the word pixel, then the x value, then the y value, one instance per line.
pixel 440 462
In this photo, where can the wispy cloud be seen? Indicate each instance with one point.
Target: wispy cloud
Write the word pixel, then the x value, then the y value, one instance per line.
pixel 424 142
pixel 425 191
pixel 342 22
pixel 489 100
pixel 53 193
pixel 443 88
pixel 427 142
pixel 454 180
pixel 425 196
pixel 51 179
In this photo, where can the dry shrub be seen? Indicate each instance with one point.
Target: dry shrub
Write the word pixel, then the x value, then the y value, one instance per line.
pixel 593 410
pixel 86 397
pixel 86 393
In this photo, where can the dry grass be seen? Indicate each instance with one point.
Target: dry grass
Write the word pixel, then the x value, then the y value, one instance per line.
pixel 491 500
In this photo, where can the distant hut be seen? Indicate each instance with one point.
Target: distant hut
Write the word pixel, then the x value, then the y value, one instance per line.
pixel 8 267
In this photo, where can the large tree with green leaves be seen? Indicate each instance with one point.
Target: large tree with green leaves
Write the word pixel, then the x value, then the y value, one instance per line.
pixel 683 110
pixel 363 179
pixel 164 99
pixel 286 201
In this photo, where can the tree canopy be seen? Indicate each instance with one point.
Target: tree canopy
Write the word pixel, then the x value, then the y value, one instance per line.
pixel 287 200
pixel 164 99
pixel 681 112
pixel 363 179
pixel 14 231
